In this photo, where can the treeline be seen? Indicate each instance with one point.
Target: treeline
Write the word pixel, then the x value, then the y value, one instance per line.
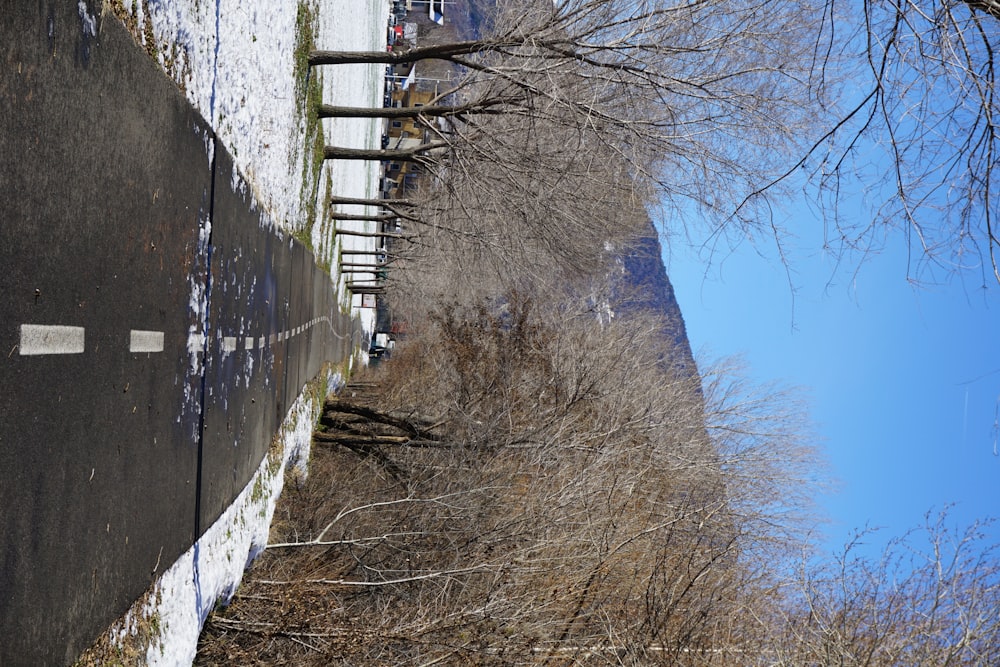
pixel 532 478
pixel 525 482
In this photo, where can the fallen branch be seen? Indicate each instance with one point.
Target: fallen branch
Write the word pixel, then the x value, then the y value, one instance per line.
pixel 375 584
pixel 359 541
pixel 405 425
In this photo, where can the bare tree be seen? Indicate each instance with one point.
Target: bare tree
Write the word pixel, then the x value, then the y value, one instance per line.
pixel 921 137
pixel 732 101
pixel 930 598
pixel 524 484
pixel 422 153
pixel 705 99
pixel 517 196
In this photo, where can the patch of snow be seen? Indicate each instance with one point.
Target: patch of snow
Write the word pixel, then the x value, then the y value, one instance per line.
pixel 197 322
pixel 209 573
pixel 89 22
pixel 208 141
pixel 198 295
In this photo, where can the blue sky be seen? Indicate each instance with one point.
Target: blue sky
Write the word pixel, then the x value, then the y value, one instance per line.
pixel 903 382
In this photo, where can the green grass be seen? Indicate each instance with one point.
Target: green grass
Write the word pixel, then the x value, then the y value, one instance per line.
pixel 308 96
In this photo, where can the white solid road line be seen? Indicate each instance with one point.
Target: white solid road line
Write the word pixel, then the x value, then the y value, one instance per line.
pixel 50 339
pixel 145 341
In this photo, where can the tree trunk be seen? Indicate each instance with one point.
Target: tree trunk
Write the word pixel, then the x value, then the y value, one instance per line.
pixel 366 450
pixel 371 235
pixel 378 440
pixel 382 217
pixel 378 416
pixel 428 111
pixel 436 52
pixel 991 7
pixel 363 252
pixel 372 202
pixel 359 439
pixel 364 289
pixel 415 154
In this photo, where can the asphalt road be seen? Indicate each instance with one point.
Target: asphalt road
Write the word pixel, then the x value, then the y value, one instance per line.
pixel 153 329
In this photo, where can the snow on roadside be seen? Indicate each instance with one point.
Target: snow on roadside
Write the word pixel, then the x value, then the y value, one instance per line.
pixel 208 574
pixel 163 626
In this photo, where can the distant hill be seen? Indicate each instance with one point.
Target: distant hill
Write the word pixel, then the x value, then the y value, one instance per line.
pixel 647 286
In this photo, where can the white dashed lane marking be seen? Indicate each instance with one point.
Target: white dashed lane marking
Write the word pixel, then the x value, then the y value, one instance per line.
pixel 145 341
pixel 41 339
pixel 50 339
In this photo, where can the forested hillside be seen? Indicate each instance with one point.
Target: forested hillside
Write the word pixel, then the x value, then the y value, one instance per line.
pixel 647 287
